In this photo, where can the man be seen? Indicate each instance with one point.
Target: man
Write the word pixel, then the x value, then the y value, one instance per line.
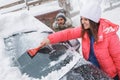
pixel 61 22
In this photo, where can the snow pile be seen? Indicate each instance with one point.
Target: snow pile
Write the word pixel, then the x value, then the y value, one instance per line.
pixel 15 22
pixel 12 23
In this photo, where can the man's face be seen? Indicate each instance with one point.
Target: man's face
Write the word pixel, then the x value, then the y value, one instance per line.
pixel 60 21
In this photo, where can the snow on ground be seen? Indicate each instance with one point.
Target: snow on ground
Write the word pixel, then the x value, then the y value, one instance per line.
pixel 12 73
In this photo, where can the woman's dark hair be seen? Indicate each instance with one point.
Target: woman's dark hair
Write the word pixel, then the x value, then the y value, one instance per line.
pixel 92 31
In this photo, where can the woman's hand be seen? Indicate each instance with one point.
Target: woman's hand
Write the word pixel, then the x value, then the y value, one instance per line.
pixel 33 52
pixel 45 42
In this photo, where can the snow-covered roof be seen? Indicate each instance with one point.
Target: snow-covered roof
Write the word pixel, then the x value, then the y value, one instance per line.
pixel 36 10
pixel 6 2
pixel 16 22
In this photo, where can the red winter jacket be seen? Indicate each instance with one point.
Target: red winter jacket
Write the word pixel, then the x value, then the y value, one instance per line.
pixel 107 49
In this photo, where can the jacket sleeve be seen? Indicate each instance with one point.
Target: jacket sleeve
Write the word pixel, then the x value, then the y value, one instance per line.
pixel 65 35
pixel 114 50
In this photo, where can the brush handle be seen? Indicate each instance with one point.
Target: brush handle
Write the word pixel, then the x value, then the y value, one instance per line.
pixel 38 48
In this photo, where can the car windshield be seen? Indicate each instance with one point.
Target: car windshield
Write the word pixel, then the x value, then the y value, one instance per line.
pixel 47 59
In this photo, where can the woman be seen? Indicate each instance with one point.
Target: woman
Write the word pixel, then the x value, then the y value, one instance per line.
pixel 100 43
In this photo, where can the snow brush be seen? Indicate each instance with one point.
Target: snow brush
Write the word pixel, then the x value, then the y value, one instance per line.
pixel 33 52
